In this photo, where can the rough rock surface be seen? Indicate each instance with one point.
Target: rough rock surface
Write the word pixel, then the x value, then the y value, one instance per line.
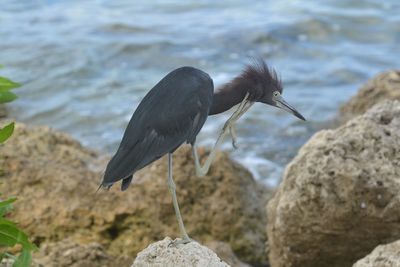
pixel 67 253
pixel 384 86
pixel 339 197
pixel 163 254
pixel 224 251
pixel 56 178
pixel 3 111
pixel 382 256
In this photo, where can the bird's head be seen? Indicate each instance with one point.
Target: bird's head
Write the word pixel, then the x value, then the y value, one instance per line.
pixel 263 85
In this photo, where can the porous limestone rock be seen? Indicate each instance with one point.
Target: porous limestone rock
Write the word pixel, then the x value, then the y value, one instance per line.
pixel 384 86
pixel 339 197
pixel 67 253
pixel 382 256
pixel 165 254
pixel 55 179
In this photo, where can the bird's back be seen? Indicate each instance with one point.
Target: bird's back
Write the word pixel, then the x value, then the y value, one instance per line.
pixel 172 113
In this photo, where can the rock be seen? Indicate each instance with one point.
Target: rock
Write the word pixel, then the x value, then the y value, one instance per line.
pixel 162 254
pixel 67 253
pixel 385 85
pixel 6 263
pixel 339 196
pixel 55 179
pixel 382 256
pixel 3 111
pixel 224 251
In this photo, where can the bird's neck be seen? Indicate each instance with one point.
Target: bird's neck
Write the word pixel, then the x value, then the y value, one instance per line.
pixel 227 97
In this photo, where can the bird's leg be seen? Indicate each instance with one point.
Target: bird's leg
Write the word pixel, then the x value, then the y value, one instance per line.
pixel 202 170
pixel 238 112
pixel 171 186
pixel 230 123
pixel 234 117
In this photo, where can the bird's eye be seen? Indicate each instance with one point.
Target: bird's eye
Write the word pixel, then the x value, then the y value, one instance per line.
pixel 276 94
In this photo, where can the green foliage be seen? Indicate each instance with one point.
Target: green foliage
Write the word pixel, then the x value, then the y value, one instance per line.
pixel 24 259
pixel 6 96
pixel 7 84
pixel 5 206
pixel 6 132
pixel 10 233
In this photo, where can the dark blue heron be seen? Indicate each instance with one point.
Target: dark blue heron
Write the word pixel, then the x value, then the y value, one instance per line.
pixel 174 111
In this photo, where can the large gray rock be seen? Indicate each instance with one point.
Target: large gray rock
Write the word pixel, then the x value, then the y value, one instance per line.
pixel 163 254
pixel 384 86
pixel 339 197
pixel 382 256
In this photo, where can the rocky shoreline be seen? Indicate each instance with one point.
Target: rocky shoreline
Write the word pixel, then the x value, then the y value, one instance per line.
pixel 337 201
pixel 55 179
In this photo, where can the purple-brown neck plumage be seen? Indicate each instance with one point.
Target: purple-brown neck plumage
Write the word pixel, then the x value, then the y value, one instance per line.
pixel 228 96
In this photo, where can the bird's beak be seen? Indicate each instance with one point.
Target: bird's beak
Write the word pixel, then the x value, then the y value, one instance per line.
pixel 281 103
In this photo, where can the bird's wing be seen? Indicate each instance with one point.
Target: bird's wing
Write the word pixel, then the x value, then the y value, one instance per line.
pixel 126 182
pixel 171 113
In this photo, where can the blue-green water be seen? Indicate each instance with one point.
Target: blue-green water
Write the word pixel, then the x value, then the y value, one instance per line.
pixel 86 65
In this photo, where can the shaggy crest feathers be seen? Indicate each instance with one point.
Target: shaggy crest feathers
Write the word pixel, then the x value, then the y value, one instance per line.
pixel 255 79
pixel 259 71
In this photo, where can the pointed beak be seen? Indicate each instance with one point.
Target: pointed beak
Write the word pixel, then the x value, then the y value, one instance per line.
pixel 281 103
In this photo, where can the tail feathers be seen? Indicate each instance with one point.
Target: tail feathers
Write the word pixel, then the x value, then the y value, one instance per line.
pixel 126 182
pixel 119 168
pixel 107 187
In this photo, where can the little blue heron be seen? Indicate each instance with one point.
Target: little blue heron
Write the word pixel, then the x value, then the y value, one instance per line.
pixel 174 111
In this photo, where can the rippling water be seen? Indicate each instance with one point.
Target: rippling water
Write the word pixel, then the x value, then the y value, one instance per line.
pixel 86 65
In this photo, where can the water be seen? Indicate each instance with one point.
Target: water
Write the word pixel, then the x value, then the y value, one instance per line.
pixel 86 65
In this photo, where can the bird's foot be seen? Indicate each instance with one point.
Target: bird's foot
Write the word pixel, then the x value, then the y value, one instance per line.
pixel 232 130
pixel 180 241
pixel 234 144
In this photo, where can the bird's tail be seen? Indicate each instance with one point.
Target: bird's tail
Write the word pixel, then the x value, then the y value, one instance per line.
pixel 107 187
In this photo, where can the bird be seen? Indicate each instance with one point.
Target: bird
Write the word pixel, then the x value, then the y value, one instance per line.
pixel 174 111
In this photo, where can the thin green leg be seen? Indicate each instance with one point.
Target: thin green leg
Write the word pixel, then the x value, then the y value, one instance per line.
pixel 171 186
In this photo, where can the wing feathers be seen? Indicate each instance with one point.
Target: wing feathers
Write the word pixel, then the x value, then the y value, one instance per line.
pixel 172 113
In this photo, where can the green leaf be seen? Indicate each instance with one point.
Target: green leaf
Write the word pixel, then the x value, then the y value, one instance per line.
pixel 5 210
pixel 7 222
pixel 10 235
pixel 7 96
pixel 6 206
pixel 7 84
pixel 1 66
pixel 7 202
pixel 6 132
pixel 24 259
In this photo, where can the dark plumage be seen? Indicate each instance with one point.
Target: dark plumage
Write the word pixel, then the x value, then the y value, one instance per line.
pixel 172 113
pixel 175 109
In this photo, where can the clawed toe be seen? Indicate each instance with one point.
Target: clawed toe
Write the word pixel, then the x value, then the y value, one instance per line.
pixel 234 144
pixel 180 241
